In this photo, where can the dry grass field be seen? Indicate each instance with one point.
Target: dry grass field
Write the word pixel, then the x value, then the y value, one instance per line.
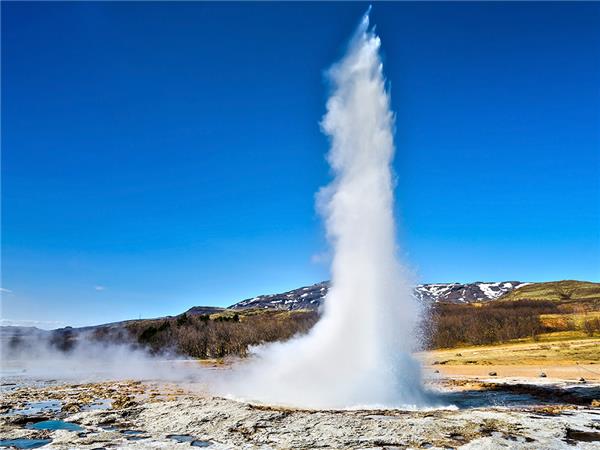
pixel 567 355
pixel 566 290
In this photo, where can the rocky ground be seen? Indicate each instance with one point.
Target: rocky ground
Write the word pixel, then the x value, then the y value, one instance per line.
pixel 134 414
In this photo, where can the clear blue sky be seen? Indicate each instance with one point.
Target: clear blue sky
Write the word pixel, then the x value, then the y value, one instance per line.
pixel 157 156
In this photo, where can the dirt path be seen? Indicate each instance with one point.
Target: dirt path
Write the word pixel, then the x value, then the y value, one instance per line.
pixel 553 372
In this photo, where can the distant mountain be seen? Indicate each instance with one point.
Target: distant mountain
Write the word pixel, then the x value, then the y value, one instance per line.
pixel 311 297
pixel 12 330
pixel 465 293
pixel 308 297
pixel 204 310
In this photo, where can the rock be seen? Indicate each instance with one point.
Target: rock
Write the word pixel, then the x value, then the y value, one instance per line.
pixel 582 380
pixel 123 401
pixel 20 419
pixel 492 374
pixel 542 375
pixel 224 423
pixel 595 403
pixel 71 407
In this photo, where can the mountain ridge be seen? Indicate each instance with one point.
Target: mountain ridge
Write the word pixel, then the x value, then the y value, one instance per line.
pixel 311 297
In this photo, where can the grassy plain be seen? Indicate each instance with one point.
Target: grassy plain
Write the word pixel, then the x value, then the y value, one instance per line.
pixel 568 355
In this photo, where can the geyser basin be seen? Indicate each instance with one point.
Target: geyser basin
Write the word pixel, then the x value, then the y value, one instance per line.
pixel 359 353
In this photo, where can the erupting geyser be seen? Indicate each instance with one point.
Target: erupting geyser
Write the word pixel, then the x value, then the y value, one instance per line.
pixel 359 353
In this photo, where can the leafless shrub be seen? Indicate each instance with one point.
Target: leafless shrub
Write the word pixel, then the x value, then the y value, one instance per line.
pixel 203 337
pixel 451 325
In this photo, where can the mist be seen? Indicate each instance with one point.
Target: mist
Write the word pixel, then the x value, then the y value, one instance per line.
pixel 359 353
pixel 44 355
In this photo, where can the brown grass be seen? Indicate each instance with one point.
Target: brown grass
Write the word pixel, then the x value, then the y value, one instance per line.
pixel 568 354
pixel 566 290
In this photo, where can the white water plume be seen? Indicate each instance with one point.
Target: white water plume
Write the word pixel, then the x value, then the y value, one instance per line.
pixel 359 353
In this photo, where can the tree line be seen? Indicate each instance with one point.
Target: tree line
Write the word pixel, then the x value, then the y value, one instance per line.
pixel 204 337
pixel 234 333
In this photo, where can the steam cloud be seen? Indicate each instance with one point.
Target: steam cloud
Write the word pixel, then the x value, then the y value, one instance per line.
pixel 359 353
pixel 39 357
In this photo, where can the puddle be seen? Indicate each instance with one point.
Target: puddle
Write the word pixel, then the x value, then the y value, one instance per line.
pixel 134 435
pixel 54 425
pixel 456 437
pixel 484 398
pixel 381 417
pixel 132 432
pixel 101 404
pixel 8 387
pixel 24 443
pixel 181 437
pixel 490 394
pixel 137 438
pixel 33 408
pixel 582 436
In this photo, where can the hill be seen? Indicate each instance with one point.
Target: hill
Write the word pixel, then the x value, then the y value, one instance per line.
pixel 566 290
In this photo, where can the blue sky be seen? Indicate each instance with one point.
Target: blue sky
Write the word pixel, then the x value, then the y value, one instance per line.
pixel 157 156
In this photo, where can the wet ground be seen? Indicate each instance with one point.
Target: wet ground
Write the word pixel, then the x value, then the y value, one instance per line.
pixel 528 414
